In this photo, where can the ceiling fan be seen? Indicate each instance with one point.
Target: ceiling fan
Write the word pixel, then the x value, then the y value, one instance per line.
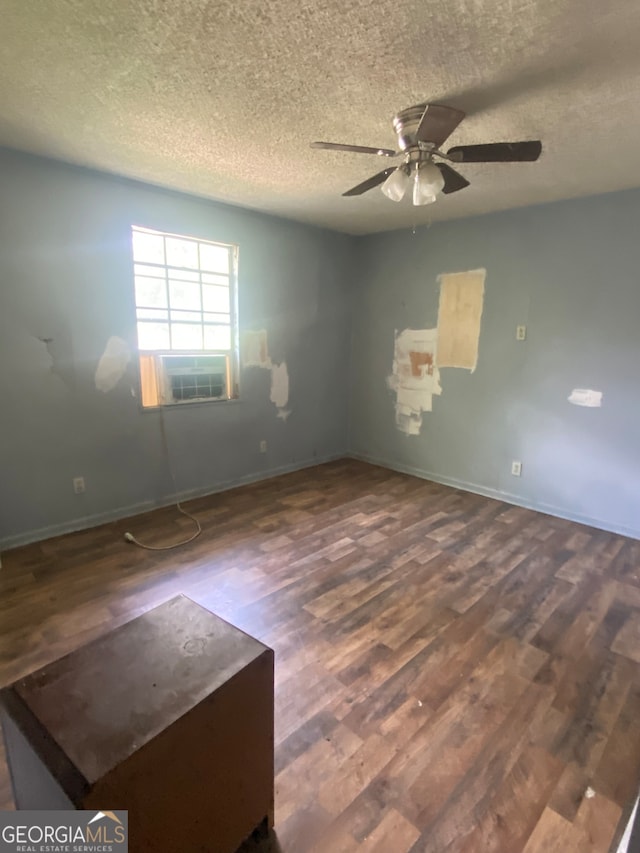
pixel 421 130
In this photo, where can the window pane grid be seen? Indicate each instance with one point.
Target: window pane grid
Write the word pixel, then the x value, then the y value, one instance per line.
pixel 201 288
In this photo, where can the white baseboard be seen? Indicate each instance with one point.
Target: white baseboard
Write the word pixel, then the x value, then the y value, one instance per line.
pixel 507 497
pixel 88 521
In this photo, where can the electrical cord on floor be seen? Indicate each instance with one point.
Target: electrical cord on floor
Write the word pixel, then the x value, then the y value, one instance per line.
pixel 131 538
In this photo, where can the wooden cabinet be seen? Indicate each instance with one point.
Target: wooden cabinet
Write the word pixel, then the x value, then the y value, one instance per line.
pixel 169 716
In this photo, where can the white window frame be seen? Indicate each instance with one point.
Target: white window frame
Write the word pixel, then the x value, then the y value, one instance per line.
pixel 155 378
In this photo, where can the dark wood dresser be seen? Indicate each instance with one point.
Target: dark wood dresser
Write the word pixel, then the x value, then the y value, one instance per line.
pixel 169 716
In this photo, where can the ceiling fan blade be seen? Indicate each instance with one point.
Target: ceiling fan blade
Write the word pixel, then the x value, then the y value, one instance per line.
pixel 497 152
pixel 357 149
pixel 438 123
pixel 453 181
pixel 371 182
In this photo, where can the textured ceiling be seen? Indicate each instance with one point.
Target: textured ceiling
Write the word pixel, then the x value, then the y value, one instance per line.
pixel 222 98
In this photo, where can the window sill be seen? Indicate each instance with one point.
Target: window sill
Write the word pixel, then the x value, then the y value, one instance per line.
pixel 188 403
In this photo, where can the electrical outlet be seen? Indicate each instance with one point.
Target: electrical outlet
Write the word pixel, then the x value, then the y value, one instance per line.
pixel 521 333
pixel 78 485
pixel 516 468
pixel 263 446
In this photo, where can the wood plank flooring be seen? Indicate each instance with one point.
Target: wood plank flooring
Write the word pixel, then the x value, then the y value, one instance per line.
pixel 452 673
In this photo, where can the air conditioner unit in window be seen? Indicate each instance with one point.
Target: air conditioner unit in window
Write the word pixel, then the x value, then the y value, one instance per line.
pixel 184 378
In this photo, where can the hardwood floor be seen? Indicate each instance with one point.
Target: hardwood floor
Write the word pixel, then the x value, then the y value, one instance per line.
pixel 452 673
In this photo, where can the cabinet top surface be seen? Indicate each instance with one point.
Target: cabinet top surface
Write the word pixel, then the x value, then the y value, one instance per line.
pixel 107 699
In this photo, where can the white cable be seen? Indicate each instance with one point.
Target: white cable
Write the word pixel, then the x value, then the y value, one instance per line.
pixel 131 538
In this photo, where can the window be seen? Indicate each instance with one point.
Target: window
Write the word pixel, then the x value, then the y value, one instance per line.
pixel 185 294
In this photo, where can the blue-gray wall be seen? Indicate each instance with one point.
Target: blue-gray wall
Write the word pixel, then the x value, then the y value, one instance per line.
pixel 66 275
pixel 570 272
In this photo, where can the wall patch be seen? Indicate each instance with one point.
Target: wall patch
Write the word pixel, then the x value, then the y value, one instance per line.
pixel 255 352
pixel 60 353
pixel 585 397
pixel 280 389
pixel 113 364
pixel 415 377
pixel 459 315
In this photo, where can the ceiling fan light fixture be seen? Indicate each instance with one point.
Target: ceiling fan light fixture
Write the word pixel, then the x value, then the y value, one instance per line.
pixel 396 184
pixel 421 130
pixel 427 183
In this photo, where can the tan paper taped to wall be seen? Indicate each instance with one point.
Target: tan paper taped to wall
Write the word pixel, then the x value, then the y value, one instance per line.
pixel 459 315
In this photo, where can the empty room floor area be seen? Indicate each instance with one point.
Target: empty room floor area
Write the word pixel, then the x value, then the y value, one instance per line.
pixel 452 673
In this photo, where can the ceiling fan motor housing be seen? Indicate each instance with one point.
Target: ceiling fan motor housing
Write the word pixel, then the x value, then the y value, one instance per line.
pixel 406 125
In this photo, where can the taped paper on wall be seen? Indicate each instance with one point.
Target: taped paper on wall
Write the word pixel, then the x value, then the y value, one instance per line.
pixel 585 397
pixel 459 315
pixel 415 377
